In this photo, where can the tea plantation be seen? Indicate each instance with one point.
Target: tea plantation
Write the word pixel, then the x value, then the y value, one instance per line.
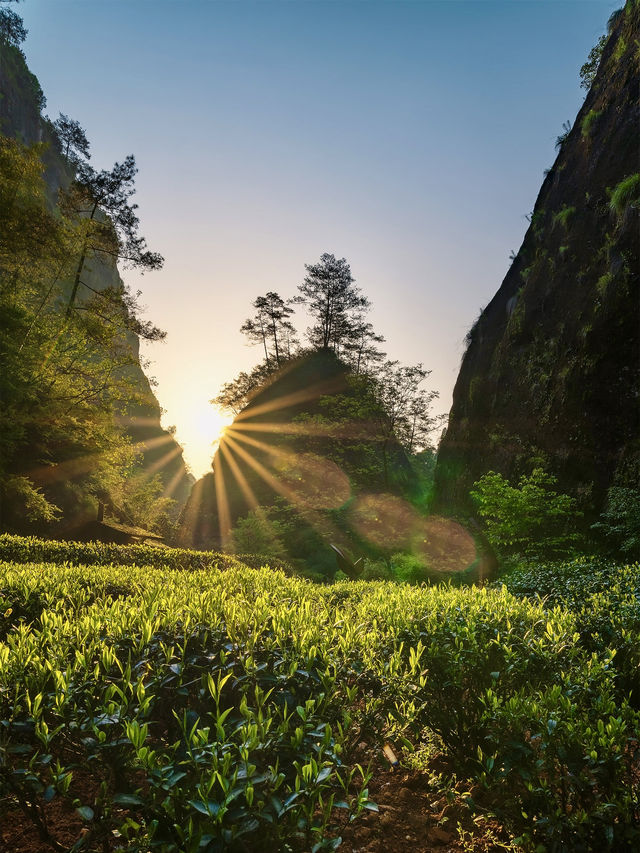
pixel 178 701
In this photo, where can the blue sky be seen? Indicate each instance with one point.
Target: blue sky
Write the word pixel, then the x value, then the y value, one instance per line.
pixel 408 137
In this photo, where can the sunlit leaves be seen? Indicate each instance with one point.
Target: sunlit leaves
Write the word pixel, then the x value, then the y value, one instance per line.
pixel 225 701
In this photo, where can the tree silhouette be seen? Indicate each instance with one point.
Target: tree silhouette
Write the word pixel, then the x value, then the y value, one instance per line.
pixel 332 299
pixel 101 201
pixel 270 326
pixel 12 28
pixel 73 139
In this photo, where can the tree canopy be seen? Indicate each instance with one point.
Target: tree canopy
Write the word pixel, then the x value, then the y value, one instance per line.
pixel 12 28
pixel 66 378
pixel 270 326
pixel 331 297
pixel 99 201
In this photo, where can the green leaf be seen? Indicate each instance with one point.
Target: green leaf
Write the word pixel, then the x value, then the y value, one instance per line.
pixel 85 812
pixel 128 800
pixel 210 808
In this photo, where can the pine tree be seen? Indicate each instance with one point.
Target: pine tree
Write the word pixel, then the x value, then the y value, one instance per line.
pixel 332 299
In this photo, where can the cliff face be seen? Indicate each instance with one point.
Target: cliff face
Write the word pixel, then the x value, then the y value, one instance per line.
pixel 551 375
pixel 21 103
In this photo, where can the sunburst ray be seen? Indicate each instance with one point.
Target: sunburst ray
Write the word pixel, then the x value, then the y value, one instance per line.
pixel 312 392
pixel 318 520
pixel 222 504
pixel 241 480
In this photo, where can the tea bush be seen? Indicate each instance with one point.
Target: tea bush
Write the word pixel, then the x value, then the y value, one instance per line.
pixel 605 600
pixel 27 549
pixel 216 710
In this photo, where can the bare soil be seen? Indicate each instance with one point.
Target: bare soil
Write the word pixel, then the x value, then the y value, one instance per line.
pixel 413 817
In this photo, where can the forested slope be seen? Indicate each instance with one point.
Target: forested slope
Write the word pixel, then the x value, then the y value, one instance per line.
pixel 67 372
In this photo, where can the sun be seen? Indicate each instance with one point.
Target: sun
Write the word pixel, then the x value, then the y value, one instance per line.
pixel 200 428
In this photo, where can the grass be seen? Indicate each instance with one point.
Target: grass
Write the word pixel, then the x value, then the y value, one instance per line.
pixel 626 194
pixel 588 123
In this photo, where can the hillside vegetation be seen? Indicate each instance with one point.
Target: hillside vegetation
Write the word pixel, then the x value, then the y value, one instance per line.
pixel 79 423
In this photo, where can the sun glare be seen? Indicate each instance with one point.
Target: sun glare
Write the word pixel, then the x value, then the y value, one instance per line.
pixel 199 431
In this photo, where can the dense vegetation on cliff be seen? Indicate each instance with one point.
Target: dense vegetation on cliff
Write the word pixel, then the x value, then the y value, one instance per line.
pixel 78 421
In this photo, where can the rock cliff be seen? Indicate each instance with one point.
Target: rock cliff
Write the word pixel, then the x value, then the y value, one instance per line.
pixel 551 375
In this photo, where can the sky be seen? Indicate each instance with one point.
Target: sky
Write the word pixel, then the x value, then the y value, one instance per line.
pixel 408 137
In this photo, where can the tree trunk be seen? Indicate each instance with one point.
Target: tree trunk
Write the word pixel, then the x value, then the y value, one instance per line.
pixel 275 342
pixel 76 282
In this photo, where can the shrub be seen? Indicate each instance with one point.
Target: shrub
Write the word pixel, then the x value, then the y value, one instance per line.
pixel 590 68
pixel 407 568
pixel 30 549
pixel 530 517
pixel 603 596
pixel 563 216
pixel 626 194
pixel 256 533
pixel 376 570
pixel 620 521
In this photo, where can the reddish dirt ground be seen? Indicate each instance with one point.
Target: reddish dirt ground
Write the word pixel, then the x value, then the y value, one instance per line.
pixel 413 817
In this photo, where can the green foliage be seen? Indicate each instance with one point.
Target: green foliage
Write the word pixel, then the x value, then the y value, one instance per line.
pixel 424 467
pixel 626 194
pixel 20 491
pixel 66 381
pixel 376 570
pixel 590 68
pixel 257 533
pixel 30 549
pixel 12 28
pixel 237 393
pixel 620 50
pixel 222 704
pixel 602 285
pixel 530 517
pixel 588 123
pixel 408 568
pixel 225 734
pixel 563 216
pixel 620 521
pixel 603 596
pixel 569 584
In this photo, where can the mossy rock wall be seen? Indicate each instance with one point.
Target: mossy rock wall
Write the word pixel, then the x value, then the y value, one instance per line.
pixel 551 375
